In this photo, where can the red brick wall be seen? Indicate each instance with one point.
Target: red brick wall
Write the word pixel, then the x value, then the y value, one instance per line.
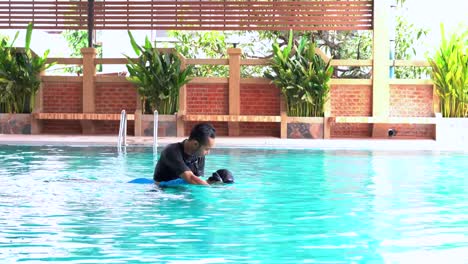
pixel 260 129
pixel 112 127
pixel 221 127
pixel 256 99
pixel 412 101
pixel 259 99
pixel 112 98
pixel 351 100
pixel 61 127
pixel 67 98
pixel 208 99
pixel 60 97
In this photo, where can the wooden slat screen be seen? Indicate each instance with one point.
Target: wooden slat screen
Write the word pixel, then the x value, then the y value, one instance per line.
pixel 191 15
pixel 58 14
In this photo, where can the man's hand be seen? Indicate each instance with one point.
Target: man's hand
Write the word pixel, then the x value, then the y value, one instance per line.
pixel 191 178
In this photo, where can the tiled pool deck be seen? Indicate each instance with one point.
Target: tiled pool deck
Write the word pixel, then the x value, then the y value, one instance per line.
pixel 240 142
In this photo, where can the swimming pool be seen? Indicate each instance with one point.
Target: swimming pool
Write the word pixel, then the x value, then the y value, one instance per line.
pixel 73 205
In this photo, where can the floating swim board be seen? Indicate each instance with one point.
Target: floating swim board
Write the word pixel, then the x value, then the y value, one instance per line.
pixel 142 181
pixel 175 182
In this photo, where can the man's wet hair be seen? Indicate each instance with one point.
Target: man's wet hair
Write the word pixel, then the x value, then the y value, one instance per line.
pixel 202 132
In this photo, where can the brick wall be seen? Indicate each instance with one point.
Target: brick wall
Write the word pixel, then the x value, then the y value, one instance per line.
pixel 61 127
pixel 112 98
pixel 221 128
pixel 208 99
pixel 67 98
pixel 60 97
pixel 260 129
pixel 259 99
pixel 351 100
pixel 112 127
pixel 412 101
pixel 256 99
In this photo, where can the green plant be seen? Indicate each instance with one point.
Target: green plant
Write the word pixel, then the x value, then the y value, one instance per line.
pixel 450 74
pixel 407 34
pixel 213 44
pixel 78 39
pixel 20 74
pixel 157 76
pixel 2 37
pixel 302 76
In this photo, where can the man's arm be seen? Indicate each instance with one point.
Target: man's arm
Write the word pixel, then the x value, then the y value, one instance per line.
pixel 191 178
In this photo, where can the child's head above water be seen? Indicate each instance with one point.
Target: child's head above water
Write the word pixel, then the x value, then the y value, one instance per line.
pixel 221 176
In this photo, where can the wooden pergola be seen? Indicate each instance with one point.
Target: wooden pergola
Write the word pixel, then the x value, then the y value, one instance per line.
pixel 187 15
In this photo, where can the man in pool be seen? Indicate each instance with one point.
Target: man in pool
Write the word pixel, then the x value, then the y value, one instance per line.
pixel 184 162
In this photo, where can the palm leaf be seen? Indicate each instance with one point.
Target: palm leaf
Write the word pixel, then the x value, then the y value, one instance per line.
pixel 28 36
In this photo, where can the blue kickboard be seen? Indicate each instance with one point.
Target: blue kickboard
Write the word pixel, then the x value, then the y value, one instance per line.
pixel 142 181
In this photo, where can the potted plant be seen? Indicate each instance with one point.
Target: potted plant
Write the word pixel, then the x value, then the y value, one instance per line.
pixel 303 78
pixel 20 70
pixel 450 76
pixel 158 78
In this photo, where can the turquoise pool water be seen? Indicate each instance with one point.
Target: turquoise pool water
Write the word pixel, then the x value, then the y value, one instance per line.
pixel 73 205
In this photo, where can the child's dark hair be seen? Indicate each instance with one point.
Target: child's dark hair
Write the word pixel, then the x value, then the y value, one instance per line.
pixel 201 132
pixel 221 176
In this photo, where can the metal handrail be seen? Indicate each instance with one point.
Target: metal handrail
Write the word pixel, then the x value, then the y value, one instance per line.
pixel 122 140
pixel 155 130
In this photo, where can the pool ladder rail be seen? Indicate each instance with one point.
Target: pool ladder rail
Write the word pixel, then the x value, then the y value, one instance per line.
pixel 155 130
pixel 122 139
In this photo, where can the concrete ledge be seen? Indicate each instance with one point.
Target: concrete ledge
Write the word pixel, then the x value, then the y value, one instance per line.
pixel 81 116
pixel 238 142
pixel 384 120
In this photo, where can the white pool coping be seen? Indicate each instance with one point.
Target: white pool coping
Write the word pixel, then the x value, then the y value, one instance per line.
pixel 239 142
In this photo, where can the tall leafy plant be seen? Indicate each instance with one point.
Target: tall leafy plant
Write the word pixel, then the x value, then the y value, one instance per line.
pixel 19 74
pixel 302 76
pixel 450 74
pixel 157 76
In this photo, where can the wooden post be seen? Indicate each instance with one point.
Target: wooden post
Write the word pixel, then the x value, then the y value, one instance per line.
pixel 284 118
pixel 326 117
pixel 89 74
pixel 36 124
pixel 436 109
pixel 180 124
pixel 138 117
pixel 435 100
pixel 234 88
pixel 380 67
